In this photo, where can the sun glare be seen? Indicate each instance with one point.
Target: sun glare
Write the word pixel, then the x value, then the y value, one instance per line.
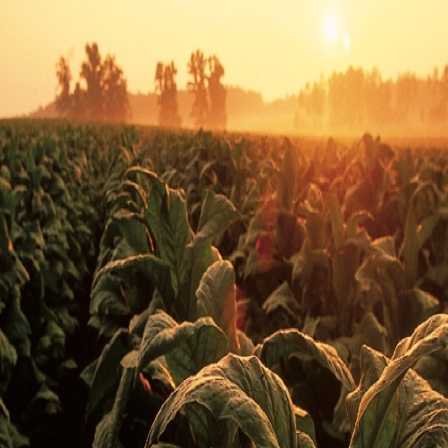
pixel 346 41
pixel 331 29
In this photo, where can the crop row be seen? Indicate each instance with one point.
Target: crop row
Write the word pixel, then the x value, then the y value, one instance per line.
pixel 245 291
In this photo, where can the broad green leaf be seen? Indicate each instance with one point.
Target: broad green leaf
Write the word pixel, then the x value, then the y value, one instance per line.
pixel 88 373
pixel 367 332
pixel 305 427
pixel 288 176
pixel 305 441
pixel 199 255
pixel 336 218
pixel 381 276
pixel 216 298
pixel 246 344
pixel 187 347
pixel 355 220
pixel 410 248
pixel 5 184
pixel 345 262
pixel 107 296
pixel 133 228
pixel 415 415
pixel 419 305
pixel 155 325
pixel 167 220
pixel 17 327
pixel 388 406
pixel 138 322
pixel 107 371
pixel 284 299
pixel 264 219
pixel 5 240
pixel 427 328
pixel 315 229
pixel 182 234
pixel 158 371
pixel 152 267
pixel 426 228
pixel 230 390
pixel 8 359
pixel 305 264
pixel 217 213
pixel 285 342
pixel 137 192
pixel 6 438
pixel 157 212
pixel 106 433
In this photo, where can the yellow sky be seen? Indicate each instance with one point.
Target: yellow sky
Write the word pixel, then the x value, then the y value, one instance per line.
pixel 271 46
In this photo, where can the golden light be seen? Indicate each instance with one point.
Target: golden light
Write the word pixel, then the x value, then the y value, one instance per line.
pixel 331 29
pixel 346 41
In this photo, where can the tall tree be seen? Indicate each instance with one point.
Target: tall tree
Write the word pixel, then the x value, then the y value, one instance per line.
pixel 217 117
pixel 196 68
pixel 92 74
pixel 100 94
pixel 406 95
pixel 167 90
pixel 63 97
pixel 114 91
pixel 78 110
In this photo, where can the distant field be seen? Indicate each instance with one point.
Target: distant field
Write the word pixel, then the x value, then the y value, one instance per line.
pixel 182 288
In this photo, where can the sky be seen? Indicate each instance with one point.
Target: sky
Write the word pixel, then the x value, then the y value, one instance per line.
pixel 271 46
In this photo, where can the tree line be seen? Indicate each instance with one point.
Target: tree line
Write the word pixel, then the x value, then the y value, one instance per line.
pixel 361 99
pixel 354 101
pixel 101 92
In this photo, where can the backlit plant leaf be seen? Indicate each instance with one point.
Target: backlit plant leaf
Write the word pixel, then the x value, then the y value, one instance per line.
pixel 216 214
pixel 285 342
pixel 187 347
pixel 216 298
pixel 230 390
pixel 388 401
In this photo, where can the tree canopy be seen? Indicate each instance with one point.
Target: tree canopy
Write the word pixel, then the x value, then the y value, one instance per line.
pixel 100 94
pixel 209 107
pixel 166 88
pixel 357 99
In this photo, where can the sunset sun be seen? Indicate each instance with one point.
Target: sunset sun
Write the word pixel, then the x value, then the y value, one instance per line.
pixel 331 29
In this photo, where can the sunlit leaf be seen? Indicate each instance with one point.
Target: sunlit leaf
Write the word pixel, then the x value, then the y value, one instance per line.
pixel 187 347
pixel 389 397
pixel 285 342
pixel 216 298
pixel 216 214
pixel 230 390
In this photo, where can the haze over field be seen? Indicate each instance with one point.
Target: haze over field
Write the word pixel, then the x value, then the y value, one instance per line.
pixel 274 48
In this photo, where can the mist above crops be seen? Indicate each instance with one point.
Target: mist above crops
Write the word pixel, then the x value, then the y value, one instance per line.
pixel 322 67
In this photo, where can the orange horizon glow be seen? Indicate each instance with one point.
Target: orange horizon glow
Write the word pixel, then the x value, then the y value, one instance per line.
pixel 271 48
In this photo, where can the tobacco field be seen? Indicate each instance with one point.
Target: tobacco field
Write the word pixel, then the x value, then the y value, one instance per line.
pixel 178 289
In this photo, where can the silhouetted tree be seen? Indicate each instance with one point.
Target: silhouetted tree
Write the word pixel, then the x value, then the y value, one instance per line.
pixel 442 102
pixel 406 89
pixel 92 74
pixel 63 97
pixel 347 98
pixel 78 104
pixel 217 93
pixel 167 89
pixel 196 68
pixel 355 99
pixel 378 96
pixel 114 90
pixel 311 106
pixel 101 93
